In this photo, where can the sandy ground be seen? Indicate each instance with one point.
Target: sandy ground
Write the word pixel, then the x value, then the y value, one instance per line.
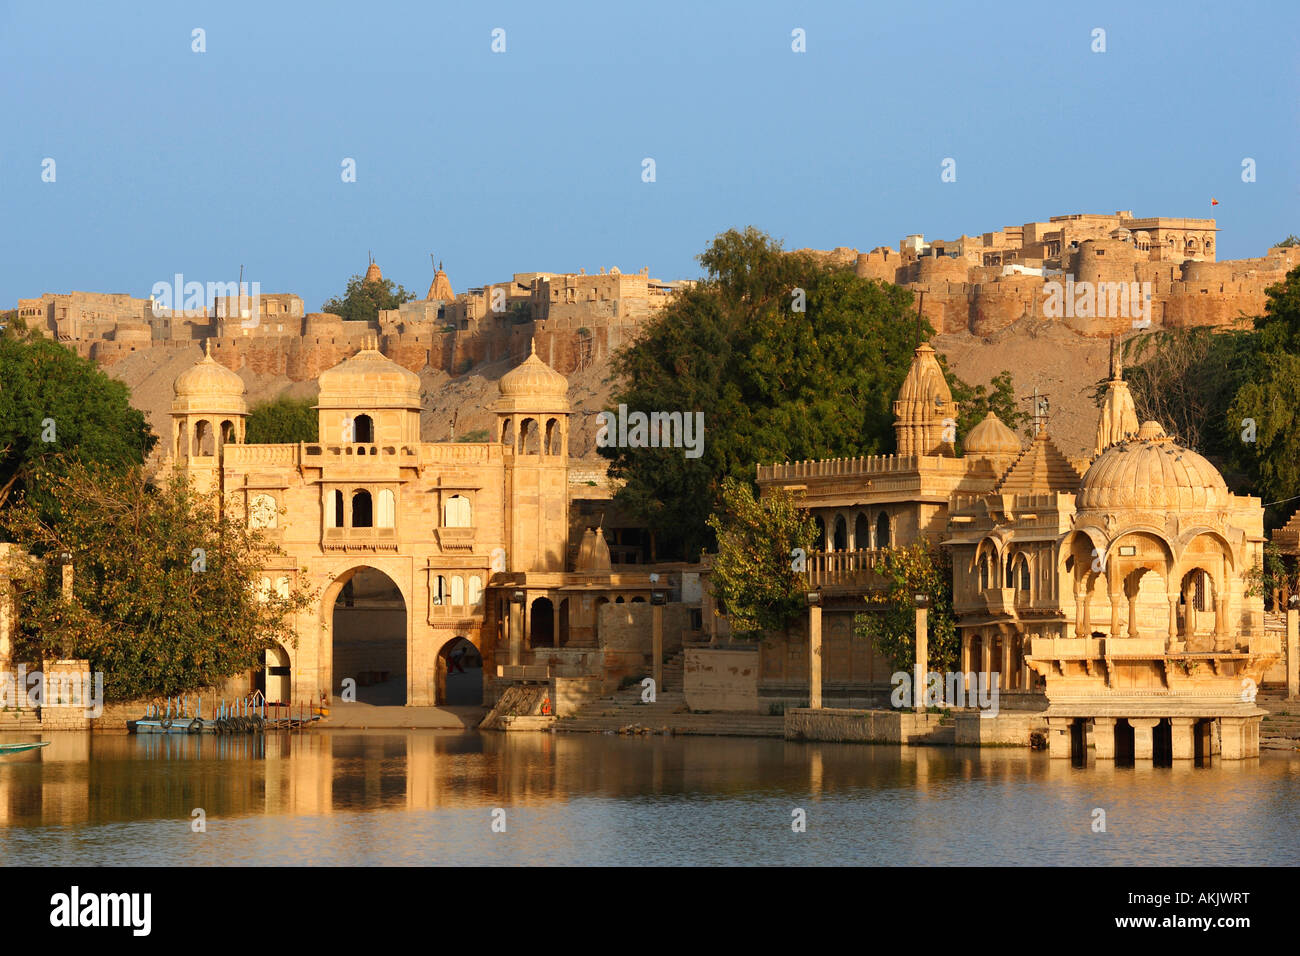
pixel 1064 365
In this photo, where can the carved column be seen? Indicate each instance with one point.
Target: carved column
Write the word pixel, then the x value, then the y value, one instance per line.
pixel 1184 743
pixel 1103 737
pixel 1143 744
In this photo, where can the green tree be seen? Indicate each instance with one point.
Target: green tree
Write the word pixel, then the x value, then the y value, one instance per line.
pixel 774 383
pixel 363 300
pixel 57 408
pixel 890 624
pixel 1291 240
pixel 1263 416
pixel 282 421
pixel 166 595
pixel 758 572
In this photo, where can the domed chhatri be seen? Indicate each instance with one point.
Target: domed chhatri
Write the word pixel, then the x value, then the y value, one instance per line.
pixel 1152 473
pixel 991 439
pixel 209 386
pixel 534 380
pixel 369 379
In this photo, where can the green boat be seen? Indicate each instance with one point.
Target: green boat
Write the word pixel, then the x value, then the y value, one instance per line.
pixel 19 748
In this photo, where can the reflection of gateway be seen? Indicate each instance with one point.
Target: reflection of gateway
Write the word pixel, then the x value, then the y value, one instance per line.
pixel 19 748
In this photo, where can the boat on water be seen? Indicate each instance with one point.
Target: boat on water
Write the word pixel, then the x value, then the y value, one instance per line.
pixel 252 715
pixel 19 748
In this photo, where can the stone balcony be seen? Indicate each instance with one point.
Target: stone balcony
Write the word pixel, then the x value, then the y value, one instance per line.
pixel 848 571
pixel 359 539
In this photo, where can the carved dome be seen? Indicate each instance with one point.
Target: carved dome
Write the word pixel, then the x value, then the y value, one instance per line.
pixel 533 378
pixel 1152 473
pixel 925 383
pixel 369 379
pixel 991 438
pixel 209 387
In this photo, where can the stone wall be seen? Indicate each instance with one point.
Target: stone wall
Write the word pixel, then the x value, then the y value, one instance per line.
pixel 860 726
pixel 721 679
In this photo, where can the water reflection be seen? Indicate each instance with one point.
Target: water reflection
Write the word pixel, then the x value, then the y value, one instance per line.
pixel 427 796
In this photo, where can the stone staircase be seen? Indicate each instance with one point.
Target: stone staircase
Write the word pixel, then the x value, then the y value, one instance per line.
pixel 1280 730
pixel 24 719
pixel 624 712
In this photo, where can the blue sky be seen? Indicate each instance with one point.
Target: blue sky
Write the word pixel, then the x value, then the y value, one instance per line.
pixel 174 161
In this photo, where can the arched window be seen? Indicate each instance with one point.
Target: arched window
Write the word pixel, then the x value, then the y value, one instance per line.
pixel 334 509
pixel 819 544
pixel 986 572
pixel 1023 582
pixel 364 430
pixel 387 515
pixel 553 437
pixel 882 530
pixel 475 593
pixel 203 439
pixel 530 439
pixel 841 539
pixel 227 432
pixel 440 590
pixel 457 591
pixel 456 512
pixel 508 432
pixel 861 533
pixel 363 510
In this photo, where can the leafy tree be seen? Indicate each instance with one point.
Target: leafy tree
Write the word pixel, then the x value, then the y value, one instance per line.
pixel 57 408
pixel 283 421
pixel 774 383
pixel 1264 408
pixel 477 435
pixel 891 623
pixel 363 300
pixel 165 596
pixel 1185 378
pixel 1291 240
pixel 757 574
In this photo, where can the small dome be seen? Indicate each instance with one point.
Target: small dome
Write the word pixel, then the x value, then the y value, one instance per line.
pixel 209 378
pixel 369 379
pixel 533 378
pixel 991 438
pixel 209 387
pixel 1152 474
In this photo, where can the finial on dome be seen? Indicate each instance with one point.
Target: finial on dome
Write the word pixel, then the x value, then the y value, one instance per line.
pixel 532 346
pixel 207 348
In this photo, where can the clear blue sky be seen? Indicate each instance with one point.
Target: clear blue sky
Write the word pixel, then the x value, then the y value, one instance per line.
pixel 174 161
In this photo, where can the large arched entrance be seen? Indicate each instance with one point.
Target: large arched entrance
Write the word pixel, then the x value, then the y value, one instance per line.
pixel 368 634
pixel 460 674
pixel 274 680
pixel 541 624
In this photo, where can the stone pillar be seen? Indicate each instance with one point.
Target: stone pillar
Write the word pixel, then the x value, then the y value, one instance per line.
pixel 1142 736
pixel 815 657
pixel 965 660
pixel 1292 650
pixel 657 646
pixel 1184 738
pixel 1173 623
pixel 516 633
pixel 1133 614
pixel 986 656
pixel 1080 614
pixel 1232 742
pixel 1115 619
pixel 1058 737
pixel 922 637
pixel 1103 737
pixel 1004 682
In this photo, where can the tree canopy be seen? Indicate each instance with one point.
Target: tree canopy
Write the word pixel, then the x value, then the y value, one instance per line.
pixel 762 551
pixel 891 623
pixel 57 408
pixel 787 358
pixel 164 597
pixel 282 421
pixel 363 300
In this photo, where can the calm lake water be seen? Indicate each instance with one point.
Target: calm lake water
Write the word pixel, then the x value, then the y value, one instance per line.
pixel 428 797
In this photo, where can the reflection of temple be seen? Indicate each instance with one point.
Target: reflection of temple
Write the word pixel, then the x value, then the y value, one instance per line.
pixel 1115 587
pixel 416 548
